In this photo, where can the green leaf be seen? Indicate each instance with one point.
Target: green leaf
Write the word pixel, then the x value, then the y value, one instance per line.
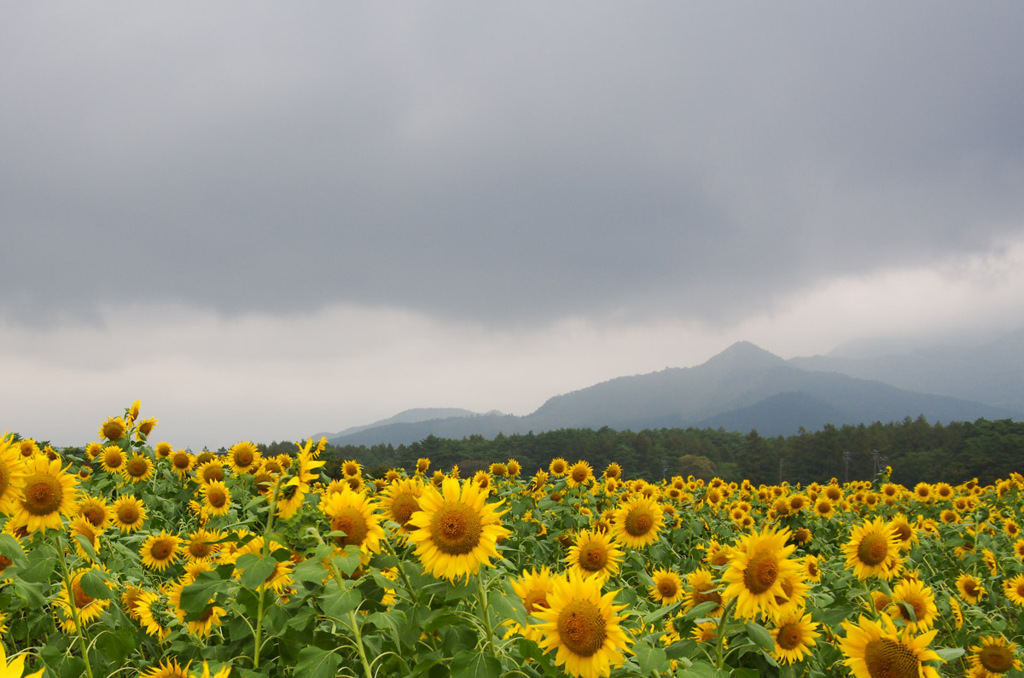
pixel 701 610
pixel 196 596
pixel 661 612
pixel 746 673
pixel 258 572
pixel 95 586
pixel 338 603
pixel 11 549
pixel 651 659
pixel 472 664
pixel 761 636
pixel 950 653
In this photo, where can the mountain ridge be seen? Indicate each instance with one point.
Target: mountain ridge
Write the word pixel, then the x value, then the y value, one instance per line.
pixel 744 387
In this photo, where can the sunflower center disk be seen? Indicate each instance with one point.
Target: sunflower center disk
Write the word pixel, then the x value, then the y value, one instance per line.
pixel 127 514
pixel 94 514
pixel 162 549
pixel 873 549
pixel 402 508
pixel 456 529
pixel 137 468
pixel 667 588
pixel 639 522
pixel 199 549
pixel 996 659
pixel 789 637
pixel 353 524
pixel 216 498
pixel 888 659
pixel 535 600
pixel 593 557
pixel 581 627
pixel 81 597
pixel 761 573
pixel 43 494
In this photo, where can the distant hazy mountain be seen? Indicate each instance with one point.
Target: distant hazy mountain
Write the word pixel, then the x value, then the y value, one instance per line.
pixel 992 372
pixel 412 416
pixel 742 388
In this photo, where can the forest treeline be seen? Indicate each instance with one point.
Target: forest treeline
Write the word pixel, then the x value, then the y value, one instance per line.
pixel 915 449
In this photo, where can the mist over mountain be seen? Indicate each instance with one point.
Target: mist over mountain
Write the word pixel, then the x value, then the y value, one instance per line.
pixel 746 387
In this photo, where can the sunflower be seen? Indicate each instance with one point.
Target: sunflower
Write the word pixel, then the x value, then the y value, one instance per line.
pixel 514 468
pixel 181 462
pixel 129 513
pixel 401 499
pixel 12 476
pixel 350 512
pixel 48 492
pixel 351 468
pixel 160 550
pixel 794 637
pixel 823 508
pixel 68 603
pixel 970 588
pixel 137 468
pixel 558 467
pixel 279 579
pixel 81 527
pixel 210 617
pixel 874 649
pixel 912 594
pixel 613 470
pixel 95 510
pixel 905 532
pixel 701 588
pixel 638 522
pixel 422 465
pixel 873 550
pixel 113 429
pixel 1013 588
pixel 958 612
pixel 290 498
pixel 580 473
pixel 667 588
pixel 243 457
pixel 112 459
pixel 992 657
pixel 146 427
pixel 209 470
pixel 533 589
pixel 758 566
pixel 169 668
pixel 17 666
pixel 594 553
pixel 202 544
pixel 581 625
pixel 457 530
pixel 794 593
pixel 216 498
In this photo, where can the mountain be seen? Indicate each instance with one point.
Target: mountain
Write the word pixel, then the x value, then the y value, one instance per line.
pixel 413 416
pixel 742 388
pixel 991 372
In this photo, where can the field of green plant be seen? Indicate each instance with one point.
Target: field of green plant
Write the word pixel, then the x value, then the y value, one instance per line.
pixel 138 559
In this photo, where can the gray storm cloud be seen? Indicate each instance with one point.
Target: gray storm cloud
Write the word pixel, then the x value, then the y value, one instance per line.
pixel 507 164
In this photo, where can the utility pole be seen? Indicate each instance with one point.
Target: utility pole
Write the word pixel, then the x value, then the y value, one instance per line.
pixel 846 465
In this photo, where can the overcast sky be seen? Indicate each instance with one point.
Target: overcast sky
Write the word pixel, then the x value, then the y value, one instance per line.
pixel 266 220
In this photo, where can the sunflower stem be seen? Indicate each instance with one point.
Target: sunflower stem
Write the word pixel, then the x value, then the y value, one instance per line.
pixel 359 644
pixel 720 644
pixel 485 612
pixel 262 589
pixel 75 616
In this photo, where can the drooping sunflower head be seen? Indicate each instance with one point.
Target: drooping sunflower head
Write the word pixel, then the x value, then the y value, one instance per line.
pixel 992 657
pixel 457 530
pixel 581 625
pixel 594 553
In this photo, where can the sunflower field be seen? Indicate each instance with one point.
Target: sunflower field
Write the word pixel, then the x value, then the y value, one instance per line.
pixel 137 559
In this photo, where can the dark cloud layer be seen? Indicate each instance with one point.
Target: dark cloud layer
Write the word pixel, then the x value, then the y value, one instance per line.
pixel 509 164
